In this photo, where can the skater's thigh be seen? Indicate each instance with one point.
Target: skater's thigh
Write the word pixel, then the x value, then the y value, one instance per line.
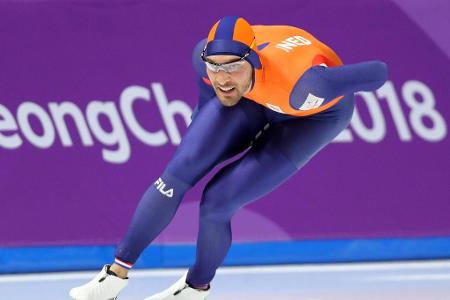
pixel 274 157
pixel 301 138
pixel 216 134
pixel 259 171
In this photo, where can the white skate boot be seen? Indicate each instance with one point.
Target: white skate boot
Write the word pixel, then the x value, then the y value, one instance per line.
pixel 103 287
pixel 180 291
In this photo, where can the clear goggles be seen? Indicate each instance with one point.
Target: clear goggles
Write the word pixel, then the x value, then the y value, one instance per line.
pixel 229 67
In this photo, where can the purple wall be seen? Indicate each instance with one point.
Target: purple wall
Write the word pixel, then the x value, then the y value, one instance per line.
pixel 118 65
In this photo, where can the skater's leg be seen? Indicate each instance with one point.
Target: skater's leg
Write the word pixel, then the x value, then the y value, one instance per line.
pixel 231 188
pixel 277 155
pixel 216 134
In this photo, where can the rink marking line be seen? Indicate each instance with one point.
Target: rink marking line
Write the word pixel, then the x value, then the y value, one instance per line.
pixel 410 277
pixel 375 266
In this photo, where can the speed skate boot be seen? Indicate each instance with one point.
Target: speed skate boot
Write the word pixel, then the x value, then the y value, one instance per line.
pixel 180 290
pixel 105 286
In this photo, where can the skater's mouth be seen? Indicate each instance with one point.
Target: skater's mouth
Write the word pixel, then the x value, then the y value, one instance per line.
pixel 226 90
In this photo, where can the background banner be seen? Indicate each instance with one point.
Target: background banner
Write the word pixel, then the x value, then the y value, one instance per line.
pixel 95 96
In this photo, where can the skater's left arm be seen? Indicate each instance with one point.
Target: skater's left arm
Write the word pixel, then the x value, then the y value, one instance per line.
pixel 328 83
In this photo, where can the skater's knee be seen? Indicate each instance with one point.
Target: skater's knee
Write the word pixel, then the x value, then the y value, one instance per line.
pixel 187 166
pixel 217 203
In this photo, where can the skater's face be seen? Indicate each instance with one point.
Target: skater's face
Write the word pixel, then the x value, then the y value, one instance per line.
pixel 231 81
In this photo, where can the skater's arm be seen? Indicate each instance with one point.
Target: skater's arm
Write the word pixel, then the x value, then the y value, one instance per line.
pixel 327 83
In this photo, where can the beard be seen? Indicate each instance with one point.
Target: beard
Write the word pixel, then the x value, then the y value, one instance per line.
pixel 231 94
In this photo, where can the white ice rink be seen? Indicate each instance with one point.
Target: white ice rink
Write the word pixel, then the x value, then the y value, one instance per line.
pixel 381 281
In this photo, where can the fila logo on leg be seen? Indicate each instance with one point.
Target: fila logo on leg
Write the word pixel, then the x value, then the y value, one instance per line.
pixel 161 187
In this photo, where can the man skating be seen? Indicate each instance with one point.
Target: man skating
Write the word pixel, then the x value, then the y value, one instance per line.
pixel 277 83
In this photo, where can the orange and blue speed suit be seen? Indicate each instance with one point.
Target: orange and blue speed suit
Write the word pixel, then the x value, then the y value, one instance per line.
pixel 302 98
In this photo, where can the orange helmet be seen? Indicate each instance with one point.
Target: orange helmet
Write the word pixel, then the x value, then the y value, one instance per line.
pixel 233 36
